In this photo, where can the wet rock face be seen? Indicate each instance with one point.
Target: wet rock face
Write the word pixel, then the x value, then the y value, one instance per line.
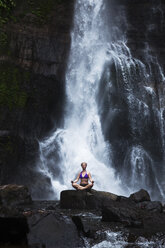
pixel 53 230
pixel 33 61
pixel 140 196
pixel 13 231
pixel 147 26
pixel 72 199
pixel 36 56
pixel 126 215
pixel 13 225
pixel 12 197
pixel 13 194
pixel 137 211
pixel 130 113
pixel 45 224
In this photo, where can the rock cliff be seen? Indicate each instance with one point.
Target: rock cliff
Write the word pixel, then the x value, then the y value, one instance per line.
pixel 34 46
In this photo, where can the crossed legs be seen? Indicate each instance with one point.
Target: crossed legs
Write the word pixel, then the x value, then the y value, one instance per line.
pixel 79 187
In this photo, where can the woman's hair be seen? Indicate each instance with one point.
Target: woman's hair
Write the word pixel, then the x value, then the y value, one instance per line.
pixel 83 163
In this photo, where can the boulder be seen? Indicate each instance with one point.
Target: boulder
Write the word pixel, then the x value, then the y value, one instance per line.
pixel 13 194
pixel 13 231
pixel 140 196
pixel 73 199
pixel 126 215
pixel 53 230
pixel 153 206
pixel 12 199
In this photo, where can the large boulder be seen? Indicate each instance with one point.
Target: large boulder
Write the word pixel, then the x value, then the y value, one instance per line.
pixel 153 206
pixel 126 215
pixel 13 225
pixel 13 231
pixel 53 230
pixel 73 199
pixel 13 194
pixel 140 196
pixel 12 198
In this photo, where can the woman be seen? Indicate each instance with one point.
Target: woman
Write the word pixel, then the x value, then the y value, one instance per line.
pixel 84 176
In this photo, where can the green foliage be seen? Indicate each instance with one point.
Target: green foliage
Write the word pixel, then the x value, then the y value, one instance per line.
pixel 7 4
pixel 4 43
pixel 11 92
pixel 41 9
pixel 3 39
pixel 6 7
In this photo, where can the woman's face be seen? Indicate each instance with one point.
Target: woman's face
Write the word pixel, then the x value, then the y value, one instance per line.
pixel 84 166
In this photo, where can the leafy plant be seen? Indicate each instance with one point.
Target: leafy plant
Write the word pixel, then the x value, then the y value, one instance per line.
pixel 3 38
pixel 7 4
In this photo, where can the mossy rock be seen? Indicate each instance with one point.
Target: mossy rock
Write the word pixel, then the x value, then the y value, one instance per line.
pixel 12 93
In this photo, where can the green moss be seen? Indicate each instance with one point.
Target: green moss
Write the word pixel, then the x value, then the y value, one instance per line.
pixel 15 10
pixel 4 44
pixel 3 39
pixel 12 93
pixel 41 9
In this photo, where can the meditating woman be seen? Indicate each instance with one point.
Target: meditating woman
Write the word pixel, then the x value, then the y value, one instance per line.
pixel 84 176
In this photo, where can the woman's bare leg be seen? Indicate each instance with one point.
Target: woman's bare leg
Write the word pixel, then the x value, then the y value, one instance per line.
pixel 77 186
pixel 89 186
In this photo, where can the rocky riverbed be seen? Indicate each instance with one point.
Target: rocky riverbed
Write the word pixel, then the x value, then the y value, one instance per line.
pixel 80 219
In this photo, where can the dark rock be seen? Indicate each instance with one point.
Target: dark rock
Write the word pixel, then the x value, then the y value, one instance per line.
pixel 86 200
pixel 154 222
pixel 83 229
pixel 33 70
pixel 53 230
pixel 13 231
pixel 73 199
pixel 50 207
pixel 13 198
pixel 154 206
pixel 140 196
pixel 14 151
pixel 128 216
pixel 14 195
pixel 77 221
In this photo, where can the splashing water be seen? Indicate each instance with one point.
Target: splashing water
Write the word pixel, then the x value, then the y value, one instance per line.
pixel 81 139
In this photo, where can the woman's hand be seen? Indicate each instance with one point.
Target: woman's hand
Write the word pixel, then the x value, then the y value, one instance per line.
pixel 72 182
pixel 92 181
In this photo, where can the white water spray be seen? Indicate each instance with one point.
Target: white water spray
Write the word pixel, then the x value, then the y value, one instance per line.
pixel 81 139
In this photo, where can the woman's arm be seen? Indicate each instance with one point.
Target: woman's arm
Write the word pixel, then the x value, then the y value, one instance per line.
pixel 75 181
pixel 90 178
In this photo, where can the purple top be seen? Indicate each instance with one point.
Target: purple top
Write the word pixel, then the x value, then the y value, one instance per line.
pixel 86 175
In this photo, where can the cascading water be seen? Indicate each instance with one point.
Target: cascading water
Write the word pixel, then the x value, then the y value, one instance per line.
pixel 134 80
pixel 134 121
pixel 114 116
pixel 81 139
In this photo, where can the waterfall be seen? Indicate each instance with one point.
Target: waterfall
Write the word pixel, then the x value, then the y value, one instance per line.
pixel 133 90
pixel 81 138
pixel 114 113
